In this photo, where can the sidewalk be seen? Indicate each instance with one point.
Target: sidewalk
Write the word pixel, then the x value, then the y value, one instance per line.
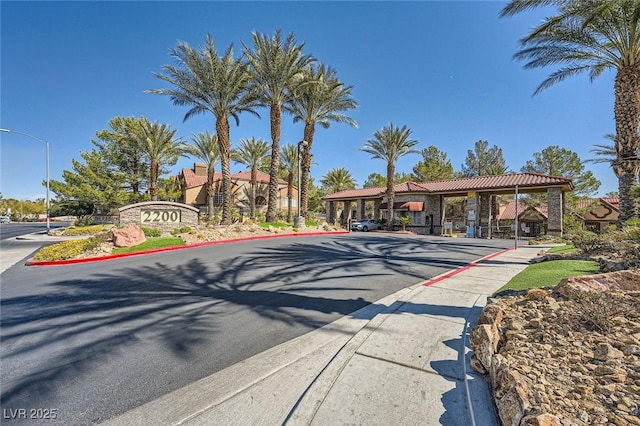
pixel 401 360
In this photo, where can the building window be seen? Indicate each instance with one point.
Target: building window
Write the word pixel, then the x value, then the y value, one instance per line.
pixel 416 218
pixel 261 201
pixel 218 199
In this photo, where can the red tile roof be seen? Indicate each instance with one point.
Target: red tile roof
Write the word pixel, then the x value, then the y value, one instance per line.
pixel 192 180
pixel 480 183
pixel 510 180
pixel 509 212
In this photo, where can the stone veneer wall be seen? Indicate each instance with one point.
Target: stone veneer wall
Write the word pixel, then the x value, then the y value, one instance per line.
pixel 130 215
pixel 555 203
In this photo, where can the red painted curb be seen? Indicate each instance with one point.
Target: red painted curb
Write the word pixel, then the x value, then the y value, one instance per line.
pixel 462 268
pixel 32 262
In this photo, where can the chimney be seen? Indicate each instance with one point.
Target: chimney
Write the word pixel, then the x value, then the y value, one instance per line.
pixel 200 169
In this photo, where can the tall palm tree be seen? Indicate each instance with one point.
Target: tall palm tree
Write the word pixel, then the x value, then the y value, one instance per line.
pixel 276 66
pixel 211 83
pixel 389 144
pixel 289 162
pixel 159 144
pixel 337 179
pixel 253 153
pixel 321 101
pixel 592 36
pixel 606 153
pixel 205 146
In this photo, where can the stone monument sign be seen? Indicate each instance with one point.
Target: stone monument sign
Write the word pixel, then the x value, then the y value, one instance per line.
pixel 163 215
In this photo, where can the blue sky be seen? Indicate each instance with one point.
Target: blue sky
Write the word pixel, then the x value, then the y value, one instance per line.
pixel 443 69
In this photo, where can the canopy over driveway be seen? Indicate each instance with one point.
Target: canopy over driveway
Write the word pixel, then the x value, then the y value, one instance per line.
pixel 428 217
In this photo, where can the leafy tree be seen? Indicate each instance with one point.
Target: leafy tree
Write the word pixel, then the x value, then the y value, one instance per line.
pixel 336 180
pixel 211 83
pixel 322 100
pixel 400 177
pixel 289 163
pixel 276 67
pixel 160 146
pixel 169 189
pixel 315 197
pixel 484 161
pixel 93 181
pixel 389 144
pixel 557 161
pixel 434 166
pixel 591 37
pixel 205 147
pixel 252 153
pixel 375 180
pixel 122 152
pixel 81 209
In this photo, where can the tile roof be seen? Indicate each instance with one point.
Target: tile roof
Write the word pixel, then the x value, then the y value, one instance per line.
pixel 262 177
pixel 193 180
pixel 509 212
pixel 510 180
pixel 480 183
pixel 373 192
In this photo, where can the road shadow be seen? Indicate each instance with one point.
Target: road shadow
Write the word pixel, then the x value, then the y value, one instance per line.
pixel 81 323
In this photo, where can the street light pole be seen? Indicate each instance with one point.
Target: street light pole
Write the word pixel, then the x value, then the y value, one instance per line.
pixel 299 222
pixel 46 148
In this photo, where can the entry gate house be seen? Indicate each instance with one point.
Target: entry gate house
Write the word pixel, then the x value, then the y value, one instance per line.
pixel 163 215
pixel 425 202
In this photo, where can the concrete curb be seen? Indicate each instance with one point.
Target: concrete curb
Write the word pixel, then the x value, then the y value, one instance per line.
pixel 33 262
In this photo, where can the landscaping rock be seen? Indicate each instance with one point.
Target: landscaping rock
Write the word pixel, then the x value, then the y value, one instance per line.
pixel 130 236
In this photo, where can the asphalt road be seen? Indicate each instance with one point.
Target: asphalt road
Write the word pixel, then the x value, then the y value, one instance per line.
pixel 90 341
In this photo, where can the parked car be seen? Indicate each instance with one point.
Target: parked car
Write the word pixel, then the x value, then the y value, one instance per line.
pixel 4 219
pixel 365 225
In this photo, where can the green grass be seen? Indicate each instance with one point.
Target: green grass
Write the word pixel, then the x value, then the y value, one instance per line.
pixel 566 249
pixel 151 243
pixel 550 273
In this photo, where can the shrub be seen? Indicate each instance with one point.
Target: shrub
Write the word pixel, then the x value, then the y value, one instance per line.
pixel 151 232
pixel 595 309
pixel 86 230
pixel 66 249
pixel 586 241
pixel 182 230
pixel 84 221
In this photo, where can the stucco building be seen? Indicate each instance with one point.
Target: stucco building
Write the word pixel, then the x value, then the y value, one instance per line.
pixel 194 191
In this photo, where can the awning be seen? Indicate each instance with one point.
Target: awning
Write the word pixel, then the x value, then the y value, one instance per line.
pixel 412 206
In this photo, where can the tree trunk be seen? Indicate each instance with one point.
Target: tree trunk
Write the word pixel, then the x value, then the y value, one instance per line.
pixel 290 177
pixel 391 168
pixel 210 191
pixel 222 131
pixel 309 130
pixel 252 202
pixel 627 115
pixel 276 119
pixel 153 180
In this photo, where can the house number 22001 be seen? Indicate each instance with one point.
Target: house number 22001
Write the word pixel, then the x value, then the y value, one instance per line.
pixel 160 216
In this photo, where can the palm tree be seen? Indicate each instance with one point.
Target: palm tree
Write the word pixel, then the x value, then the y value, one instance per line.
pixel 389 144
pixel 337 179
pixel 289 162
pixel 276 66
pixel 212 83
pixel 321 101
pixel 592 36
pixel 252 153
pixel 159 144
pixel 607 153
pixel 205 147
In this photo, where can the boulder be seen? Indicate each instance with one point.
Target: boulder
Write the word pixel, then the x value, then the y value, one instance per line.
pixel 130 236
